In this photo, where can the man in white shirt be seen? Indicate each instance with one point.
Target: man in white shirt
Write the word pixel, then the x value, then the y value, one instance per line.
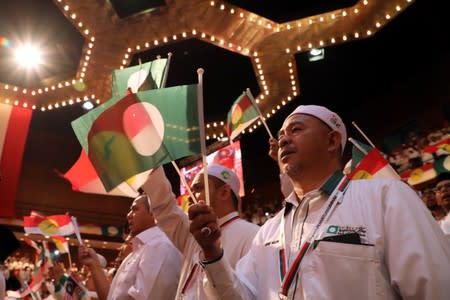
pixel 8 244
pixel 150 271
pixel 237 234
pixel 443 200
pixel 2 282
pixel 335 239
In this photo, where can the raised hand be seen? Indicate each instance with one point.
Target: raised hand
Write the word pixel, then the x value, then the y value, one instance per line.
pixel 88 256
pixel 205 229
pixel 273 149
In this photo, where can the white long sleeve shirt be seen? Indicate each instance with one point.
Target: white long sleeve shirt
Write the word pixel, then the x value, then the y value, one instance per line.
pixel 403 255
pixel 151 271
pixel 445 224
pixel 237 236
pixel 2 285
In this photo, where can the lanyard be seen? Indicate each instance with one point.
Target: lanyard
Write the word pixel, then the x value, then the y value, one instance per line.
pixel 287 276
pixel 195 267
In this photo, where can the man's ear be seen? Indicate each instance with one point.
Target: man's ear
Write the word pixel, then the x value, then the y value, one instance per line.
pixel 334 141
pixel 225 192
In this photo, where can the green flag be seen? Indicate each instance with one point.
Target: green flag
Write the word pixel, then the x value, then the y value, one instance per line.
pixel 358 155
pixel 139 78
pixel 139 132
pixel 442 164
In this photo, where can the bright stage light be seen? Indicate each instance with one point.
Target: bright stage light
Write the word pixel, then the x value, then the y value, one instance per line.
pixel 28 56
pixel 316 54
pixel 88 105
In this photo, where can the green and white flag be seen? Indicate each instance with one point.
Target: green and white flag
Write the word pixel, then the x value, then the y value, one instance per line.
pixel 139 132
pixel 442 164
pixel 139 78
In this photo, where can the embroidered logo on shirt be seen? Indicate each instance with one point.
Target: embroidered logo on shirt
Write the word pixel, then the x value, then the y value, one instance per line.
pixel 344 229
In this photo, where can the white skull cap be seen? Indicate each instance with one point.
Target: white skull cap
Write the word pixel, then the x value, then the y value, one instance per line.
pixel 330 118
pixel 224 174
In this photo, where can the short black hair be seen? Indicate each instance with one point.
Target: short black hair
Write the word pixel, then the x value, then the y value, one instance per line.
pixel 146 202
pixel 443 176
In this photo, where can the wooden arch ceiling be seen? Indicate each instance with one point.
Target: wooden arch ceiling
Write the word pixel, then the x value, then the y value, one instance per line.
pixel 110 42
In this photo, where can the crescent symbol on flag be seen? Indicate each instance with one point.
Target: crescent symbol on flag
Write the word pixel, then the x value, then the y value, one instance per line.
pixel 48 227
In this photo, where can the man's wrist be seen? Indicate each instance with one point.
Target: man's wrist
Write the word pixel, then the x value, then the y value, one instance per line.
pixel 212 251
pixel 212 257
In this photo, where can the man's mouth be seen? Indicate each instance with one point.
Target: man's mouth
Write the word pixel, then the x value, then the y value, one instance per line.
pixel 285 153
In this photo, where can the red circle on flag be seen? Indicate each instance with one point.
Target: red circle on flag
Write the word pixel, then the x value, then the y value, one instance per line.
pixel 144 126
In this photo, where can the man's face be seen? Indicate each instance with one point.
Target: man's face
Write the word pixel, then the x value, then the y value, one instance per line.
pixel 443 193
pixel 429 198
pixel 198 189
pixel 303 141
pixel 139 217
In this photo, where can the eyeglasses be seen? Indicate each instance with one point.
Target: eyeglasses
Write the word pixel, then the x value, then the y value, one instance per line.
pixel 442 187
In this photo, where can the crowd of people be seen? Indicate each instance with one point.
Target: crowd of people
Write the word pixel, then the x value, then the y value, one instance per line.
pixel 334 238
pixel 416 151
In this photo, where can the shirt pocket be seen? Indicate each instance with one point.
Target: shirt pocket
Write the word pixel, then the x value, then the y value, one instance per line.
pixel 340 271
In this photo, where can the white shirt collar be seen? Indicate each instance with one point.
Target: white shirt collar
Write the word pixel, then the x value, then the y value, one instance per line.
pixel 325 188
pixel 145 236
pixel 295 201
pixel 228 217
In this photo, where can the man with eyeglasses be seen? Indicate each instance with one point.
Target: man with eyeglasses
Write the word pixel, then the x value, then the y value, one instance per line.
pixel 443 199
pixel 429 198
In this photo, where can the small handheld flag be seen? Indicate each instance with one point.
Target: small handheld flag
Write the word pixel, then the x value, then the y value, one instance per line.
pixel 242 114
pixel 48 225
pixel 77 230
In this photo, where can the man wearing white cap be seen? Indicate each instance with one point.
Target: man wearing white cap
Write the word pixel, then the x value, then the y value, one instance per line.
pixel 237 234
pixel 335 239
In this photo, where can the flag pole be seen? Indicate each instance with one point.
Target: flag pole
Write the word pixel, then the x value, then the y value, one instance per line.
pixel 183 179
pixel 201 121
pixel 70 256
pixel 166 70
pixel 77 230
pixel 362 133
pixel 250 96
pixel 357 145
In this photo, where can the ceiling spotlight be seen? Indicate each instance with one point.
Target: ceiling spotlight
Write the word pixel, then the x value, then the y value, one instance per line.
pixel 316 54
pixel 88 105
pixel 28 56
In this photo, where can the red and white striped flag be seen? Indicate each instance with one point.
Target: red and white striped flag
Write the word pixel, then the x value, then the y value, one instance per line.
pixel 48 225
pixel 14 124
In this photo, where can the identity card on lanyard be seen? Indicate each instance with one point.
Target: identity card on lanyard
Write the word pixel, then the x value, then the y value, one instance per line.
pixel 287 275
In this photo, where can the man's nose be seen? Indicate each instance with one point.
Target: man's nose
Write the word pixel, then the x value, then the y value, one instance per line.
pixel 283 141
